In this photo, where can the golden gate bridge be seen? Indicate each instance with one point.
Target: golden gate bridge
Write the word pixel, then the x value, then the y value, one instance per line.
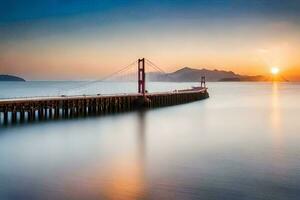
pixel 30 109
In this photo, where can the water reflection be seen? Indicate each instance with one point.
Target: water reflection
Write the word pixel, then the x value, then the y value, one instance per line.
pixel 122 178
pixel 128 175
pixel 126 181
pixel 121 175
pixel 141 138
pixel 277 134
pixel 275 114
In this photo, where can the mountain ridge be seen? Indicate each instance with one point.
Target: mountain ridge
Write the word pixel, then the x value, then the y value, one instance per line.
pixel 188 74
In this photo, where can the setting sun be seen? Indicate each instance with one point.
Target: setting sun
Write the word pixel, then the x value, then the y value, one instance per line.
pixel 274 70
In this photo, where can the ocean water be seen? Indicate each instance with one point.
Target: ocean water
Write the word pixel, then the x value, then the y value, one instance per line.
pixel 241 143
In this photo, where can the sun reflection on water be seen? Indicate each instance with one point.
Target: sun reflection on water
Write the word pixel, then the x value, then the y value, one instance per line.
pixel 275 113
pixel 276 130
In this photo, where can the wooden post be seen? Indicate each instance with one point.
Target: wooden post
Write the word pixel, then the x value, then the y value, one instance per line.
pixel 77 108
pixel 72 109
pixel 40 113
pixel 22 115
pixel 56 111
pixel 85 107
pixel 5 117
pixel 14 116
pixel 51 112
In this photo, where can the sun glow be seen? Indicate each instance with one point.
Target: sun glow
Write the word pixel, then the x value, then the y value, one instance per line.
pixel 274 70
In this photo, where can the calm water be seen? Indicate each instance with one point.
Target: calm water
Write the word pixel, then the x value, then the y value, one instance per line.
pixel 242 143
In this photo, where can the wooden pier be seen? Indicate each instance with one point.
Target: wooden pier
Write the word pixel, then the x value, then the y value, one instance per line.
pixel 22 110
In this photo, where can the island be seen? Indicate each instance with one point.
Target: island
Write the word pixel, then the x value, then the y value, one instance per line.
pixel 11 78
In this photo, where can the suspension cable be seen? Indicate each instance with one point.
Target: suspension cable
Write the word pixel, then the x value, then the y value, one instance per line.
pixel 104 78
pixel 154 65
pixel 159 69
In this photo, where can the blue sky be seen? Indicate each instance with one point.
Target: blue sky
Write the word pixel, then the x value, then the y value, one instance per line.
pixel 17 11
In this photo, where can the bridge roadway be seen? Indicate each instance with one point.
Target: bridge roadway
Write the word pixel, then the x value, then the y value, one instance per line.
pixel 20 110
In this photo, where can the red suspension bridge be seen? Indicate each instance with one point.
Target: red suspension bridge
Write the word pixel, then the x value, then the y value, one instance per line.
pixel 20 110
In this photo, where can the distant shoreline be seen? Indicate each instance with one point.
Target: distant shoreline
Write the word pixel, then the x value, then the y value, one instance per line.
pixel 170 81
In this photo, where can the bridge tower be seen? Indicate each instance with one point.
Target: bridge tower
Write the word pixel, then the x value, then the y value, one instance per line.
pixel 141 76
pixel 203 81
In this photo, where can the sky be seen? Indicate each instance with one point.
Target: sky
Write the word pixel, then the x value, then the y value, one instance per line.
pixel 89 39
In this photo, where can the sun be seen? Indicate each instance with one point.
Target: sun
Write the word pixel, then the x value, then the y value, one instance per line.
pixel 274 70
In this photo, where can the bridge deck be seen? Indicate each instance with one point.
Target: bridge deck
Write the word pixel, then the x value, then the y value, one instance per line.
pixel 78 97
pixel 33 108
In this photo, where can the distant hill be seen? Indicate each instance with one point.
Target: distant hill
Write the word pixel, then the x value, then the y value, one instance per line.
pixel 10 78
pixel 187 74
pixel 246 78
